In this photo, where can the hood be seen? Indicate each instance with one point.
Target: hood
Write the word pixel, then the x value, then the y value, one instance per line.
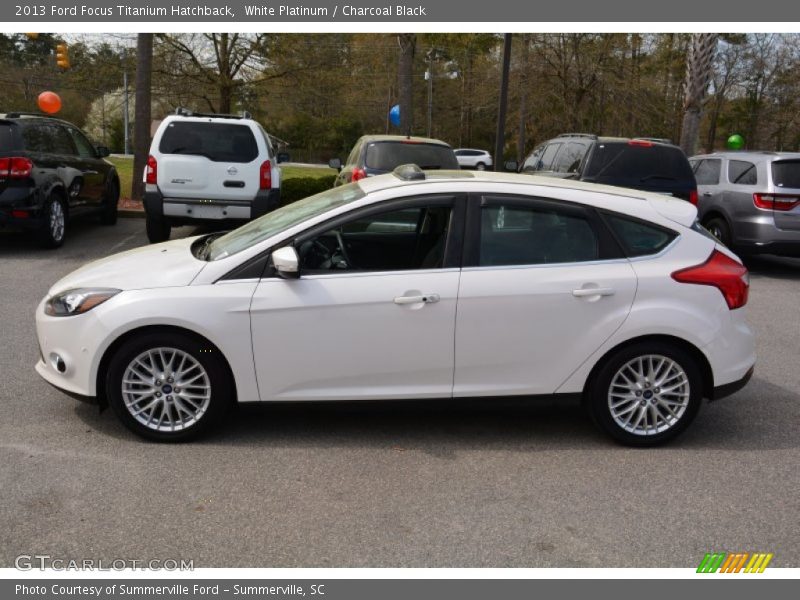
pixel 674 209
pixel 170 264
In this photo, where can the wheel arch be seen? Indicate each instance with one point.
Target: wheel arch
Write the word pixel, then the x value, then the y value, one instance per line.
pixel 102 369
pixel 705 366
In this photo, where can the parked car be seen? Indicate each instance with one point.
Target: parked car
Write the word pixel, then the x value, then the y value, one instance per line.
pixel 469 158
pixel 750 201
pixel 649 164
pixel 379 154
pixel 506 285
pixel 208 167
pixel 51 173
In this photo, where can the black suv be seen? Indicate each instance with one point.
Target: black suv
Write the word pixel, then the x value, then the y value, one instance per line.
pixel 49 172
pixel 649 164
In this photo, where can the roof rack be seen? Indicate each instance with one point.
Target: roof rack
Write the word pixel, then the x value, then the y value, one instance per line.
pixel 16 114
pixel 410 172
pixel 185 112
pixel 654 139
pixel 591 136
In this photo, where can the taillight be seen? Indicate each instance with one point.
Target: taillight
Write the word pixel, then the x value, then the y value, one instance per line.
pixel 641 143
pixel 358 174
pixel 722 272
pixel 151 170
pixel 693 197
pixel 775 201
pixel 265 176
pixel 15 167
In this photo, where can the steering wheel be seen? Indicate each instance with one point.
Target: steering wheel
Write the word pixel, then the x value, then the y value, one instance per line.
pixel 343 250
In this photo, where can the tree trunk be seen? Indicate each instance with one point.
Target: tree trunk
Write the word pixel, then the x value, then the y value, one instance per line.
pixel 699 63
pixel 405 81
pixel 523 93
pixel 142 117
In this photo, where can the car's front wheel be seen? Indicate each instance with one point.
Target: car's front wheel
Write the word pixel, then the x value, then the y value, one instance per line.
pixel 158 228
pixel 168 387
pixel 646 393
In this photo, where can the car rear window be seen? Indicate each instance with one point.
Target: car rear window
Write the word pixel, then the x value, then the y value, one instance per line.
pixel 386 156
pixel 786 173
pixel 640 239
pixel 219 142
pixel 6 137
pixel 622 162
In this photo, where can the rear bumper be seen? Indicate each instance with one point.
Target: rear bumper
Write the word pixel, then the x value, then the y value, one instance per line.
pixel 780 247
pixel 22 201
pixel 191 210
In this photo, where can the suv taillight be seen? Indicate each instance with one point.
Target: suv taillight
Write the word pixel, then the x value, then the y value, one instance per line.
pixel 265 176
pixel 693 197
pixel 151 170
pixel 15 167
pixel 641 143
pixel 358 174
pixel 722 272
pixel 782 202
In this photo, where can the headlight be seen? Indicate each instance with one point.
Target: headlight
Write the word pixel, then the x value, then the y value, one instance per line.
pixel 77 302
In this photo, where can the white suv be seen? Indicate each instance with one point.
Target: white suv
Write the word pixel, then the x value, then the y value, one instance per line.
pixel 208 167
pixel 469 158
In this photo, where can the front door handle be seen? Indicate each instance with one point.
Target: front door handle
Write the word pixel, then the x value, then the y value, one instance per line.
pixel 584 292
pixel 427 299
pixel 707 194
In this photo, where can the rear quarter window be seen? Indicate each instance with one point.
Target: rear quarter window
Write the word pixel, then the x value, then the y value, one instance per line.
pixel 786 173
pixel 638 238
pixel 218 142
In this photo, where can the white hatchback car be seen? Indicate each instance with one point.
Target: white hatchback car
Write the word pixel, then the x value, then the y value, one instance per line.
pixel 442 284
pixel 469 158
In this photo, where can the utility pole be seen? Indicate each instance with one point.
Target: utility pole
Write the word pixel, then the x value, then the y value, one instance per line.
pixel 500 138
pixel 429 77
pixel 125 115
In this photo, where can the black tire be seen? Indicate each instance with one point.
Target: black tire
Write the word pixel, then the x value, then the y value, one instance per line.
pixel 599 389
pixel 221 386
pixel 158 228
pixel 719 228
pixel 48 235
pixel 480 166
pixel 110 204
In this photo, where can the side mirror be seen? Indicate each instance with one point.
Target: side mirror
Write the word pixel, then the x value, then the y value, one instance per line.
pixel 102 151
pixel 282 157
pixel 512 166
pixel 286 262
pixel 335 163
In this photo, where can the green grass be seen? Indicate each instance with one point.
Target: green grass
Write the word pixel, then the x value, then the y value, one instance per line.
pixel 125 169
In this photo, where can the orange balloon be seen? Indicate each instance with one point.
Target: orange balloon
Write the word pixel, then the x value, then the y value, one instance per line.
pixel 49 102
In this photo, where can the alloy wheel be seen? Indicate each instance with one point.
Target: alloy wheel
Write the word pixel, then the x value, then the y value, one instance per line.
pixel 56 221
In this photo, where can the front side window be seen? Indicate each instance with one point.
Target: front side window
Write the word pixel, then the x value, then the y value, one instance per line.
pixel 218 142
pixel 392 240
pixel 532 162
pixel 547 157
pixel 569 159
pixel 707 171
pixel 742 172
pixel 514 234
pixel 85 148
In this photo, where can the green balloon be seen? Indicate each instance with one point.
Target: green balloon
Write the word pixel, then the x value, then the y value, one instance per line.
pixel 735 142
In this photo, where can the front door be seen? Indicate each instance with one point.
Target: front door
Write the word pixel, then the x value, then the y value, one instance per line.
pixel 372 314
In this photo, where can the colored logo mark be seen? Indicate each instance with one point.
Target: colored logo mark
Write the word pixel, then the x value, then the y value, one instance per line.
pixel 734 562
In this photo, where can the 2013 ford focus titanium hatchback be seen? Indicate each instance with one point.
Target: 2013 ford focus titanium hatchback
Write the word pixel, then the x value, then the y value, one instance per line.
pixel 444 284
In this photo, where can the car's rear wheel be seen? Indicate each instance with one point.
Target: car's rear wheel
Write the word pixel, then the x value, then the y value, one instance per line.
pixel 719 228
pixel 168 387
pixel 646 394
pixel 110 204
pixel 480 166
pixel 158 228
pixel 54 222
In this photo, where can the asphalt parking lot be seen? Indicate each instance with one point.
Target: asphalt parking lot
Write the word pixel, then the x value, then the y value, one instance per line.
pixel 393 485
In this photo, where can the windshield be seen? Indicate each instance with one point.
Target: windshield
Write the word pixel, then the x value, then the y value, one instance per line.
pixel 281 219
pixel 386 156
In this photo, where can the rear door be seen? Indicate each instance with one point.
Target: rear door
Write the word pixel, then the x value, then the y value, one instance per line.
pixel 785 175
pixel 708 172
pixel 543 287
pixel 209 159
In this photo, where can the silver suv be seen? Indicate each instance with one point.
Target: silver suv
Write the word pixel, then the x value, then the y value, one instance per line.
pixel 751 200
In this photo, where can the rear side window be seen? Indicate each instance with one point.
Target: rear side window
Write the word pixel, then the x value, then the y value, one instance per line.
pixel 218 142
pixel 742 172
pixel 621 162
pixel 640 239
pixel 48 138
pixel 707 171
pixel 6 137
pixel 786 173
pixel 386 156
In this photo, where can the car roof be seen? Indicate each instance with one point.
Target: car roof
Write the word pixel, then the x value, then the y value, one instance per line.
pixel 402 138
pixel 14 116
pixel 473 149
pixel 750 155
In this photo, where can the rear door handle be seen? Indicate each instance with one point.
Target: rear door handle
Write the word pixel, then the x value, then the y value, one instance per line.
pixel 584 292
pixel 427 299
pixel 707 194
